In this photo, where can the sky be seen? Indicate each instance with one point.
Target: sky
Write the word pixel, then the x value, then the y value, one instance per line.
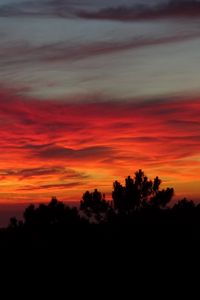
pixel 91 91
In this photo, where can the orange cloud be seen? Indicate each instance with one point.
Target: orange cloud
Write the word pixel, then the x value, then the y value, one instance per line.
pixel 61 148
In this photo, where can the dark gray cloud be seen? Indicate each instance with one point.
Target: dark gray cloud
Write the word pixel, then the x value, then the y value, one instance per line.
pixel 21 174
pixel 51 186
pixel 58 152
pixel 48 8
pixel 93 10
pixel 171 9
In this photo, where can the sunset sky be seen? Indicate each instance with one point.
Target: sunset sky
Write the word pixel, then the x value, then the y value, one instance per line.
pixel 92 90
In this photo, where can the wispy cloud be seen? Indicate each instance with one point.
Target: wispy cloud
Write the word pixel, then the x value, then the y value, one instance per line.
pixel 50 186
pixel 48 8
pixel 30 173
pixel 171 9
pixel 89 10
pixel 100 140
pixel 20 54
pixel 88 153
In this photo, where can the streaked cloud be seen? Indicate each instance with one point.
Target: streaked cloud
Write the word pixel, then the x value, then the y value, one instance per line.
pixel 170 9
pixel 50 186
pixel 41 171
pixel 66 143
pixel 131 11
pixel 58 52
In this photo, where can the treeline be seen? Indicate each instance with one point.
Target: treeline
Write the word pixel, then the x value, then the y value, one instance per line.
pixel 139 212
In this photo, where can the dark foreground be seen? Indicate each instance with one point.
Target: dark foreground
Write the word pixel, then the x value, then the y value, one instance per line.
pixel 138 218
pixel 58 226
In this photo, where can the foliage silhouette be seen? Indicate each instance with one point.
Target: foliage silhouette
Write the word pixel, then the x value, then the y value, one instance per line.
pixel 137 215
pixel 93 204
pixel 140 192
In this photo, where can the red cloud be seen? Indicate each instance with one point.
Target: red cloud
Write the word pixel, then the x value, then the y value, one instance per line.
pixel 97 142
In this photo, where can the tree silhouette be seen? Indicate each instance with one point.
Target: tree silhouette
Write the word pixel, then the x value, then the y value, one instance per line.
pixel 162 198
pixel 13 223
pixel 52 214
pixel 184 205
pixel 29 215
pixel 139 192
pixel 94 204
pixel 137 214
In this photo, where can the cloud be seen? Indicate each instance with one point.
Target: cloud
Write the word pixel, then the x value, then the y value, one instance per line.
pixel 93 143
pixel 40 8
pixel 89 153
pixel 30 173
pixel 24 53
pixel 90 10
pixel 50 186
pixel 171 9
